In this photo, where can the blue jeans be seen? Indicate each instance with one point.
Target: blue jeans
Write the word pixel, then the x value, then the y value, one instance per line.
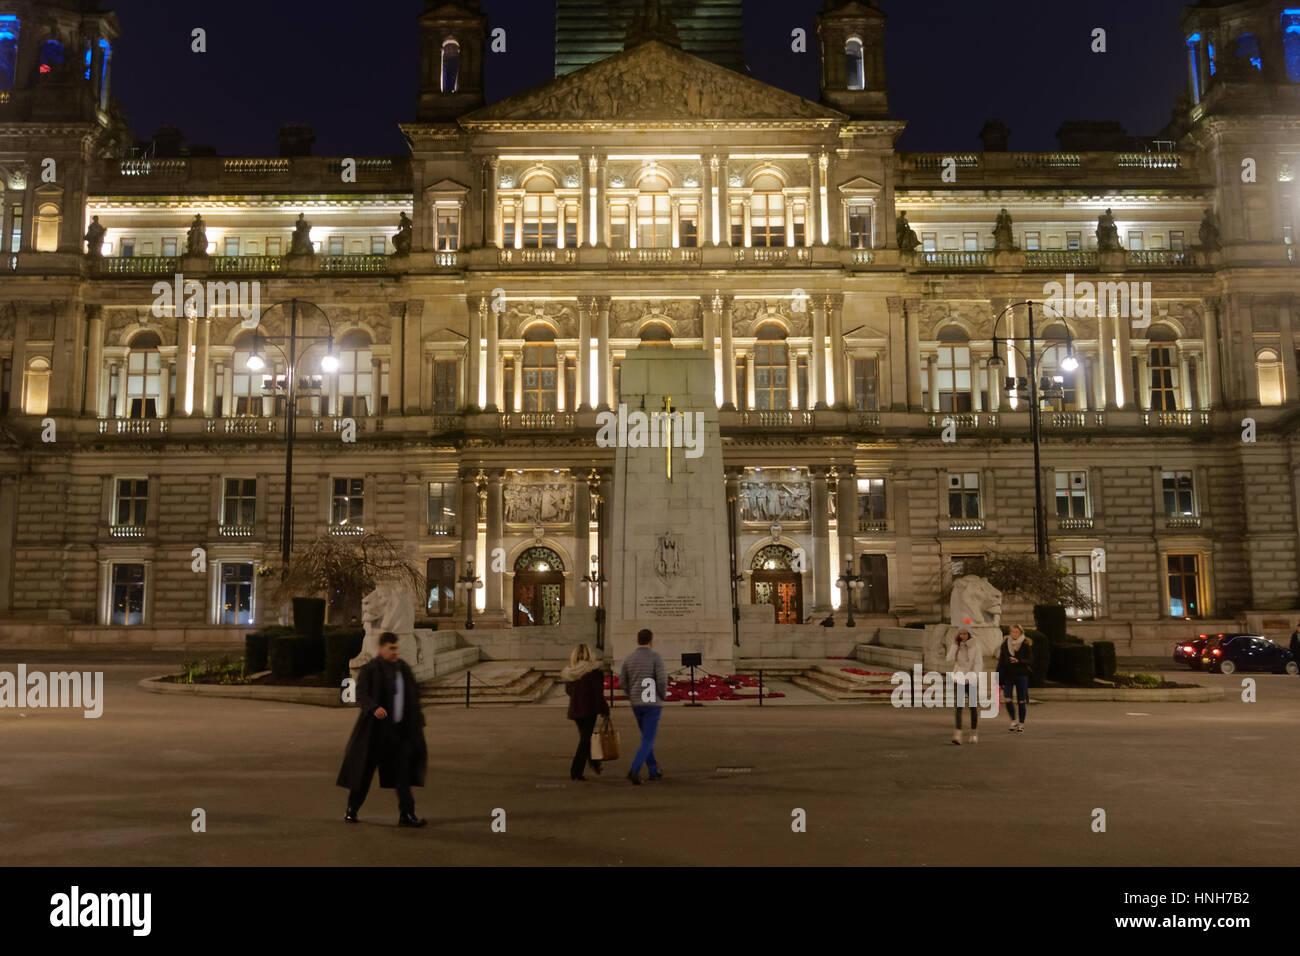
pixel 1021 685
pixel 647 719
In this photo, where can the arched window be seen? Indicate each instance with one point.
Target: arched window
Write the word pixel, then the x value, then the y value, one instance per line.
pixel 656 333
pixel 767 212
pixel 1268 371
pixel 450 66
pixel 1162 363
pixel 654 222
pixel 355 376
pixel 1248 47
pixel 105 58
pixel 541 213
pixel 539 369
pixel 51 55
pixel 854 73
pixel 144 376
pixel 771 368
pixel 774 557
pixel 36 390
pixel 953 371
pixel 542 560
pixel 247 384
pixel 8 53
pixel 1054 354
pixel 1195 72
pixel 47 227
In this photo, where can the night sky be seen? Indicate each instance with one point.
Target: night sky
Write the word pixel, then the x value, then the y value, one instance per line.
pixel 350 69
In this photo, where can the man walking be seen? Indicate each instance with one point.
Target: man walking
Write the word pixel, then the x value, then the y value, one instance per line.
pixel 389 734
pixel 646 681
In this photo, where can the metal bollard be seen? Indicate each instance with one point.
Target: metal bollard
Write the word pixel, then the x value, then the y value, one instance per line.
pixel 467 689
pixel 760 688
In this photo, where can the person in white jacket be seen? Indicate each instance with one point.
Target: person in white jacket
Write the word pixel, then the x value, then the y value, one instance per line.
pixel 967 662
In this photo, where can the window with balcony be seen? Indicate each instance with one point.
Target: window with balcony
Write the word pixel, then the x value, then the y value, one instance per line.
pixel 688 225
pixel 619 228
pixel 799 223
pixel 1135 240
pixel 247 384
pixel 929 242
pixel 654 221
pixel 130 506
pixel 441 507
pixel 737 223
pixel 970 242
pixel 144 376
pixel 237 585
pixel 169 246
pixel 446 377
pixel 1176 241
pixel 378 245
pixel 952 371
pixel 767 212
pixel 36 388
pixel 1072 503
pixel 1162 366
pixel 126 594
pixel 871 504
pixel 1179 494
pixel 541 214
pixel 1033 241
pixel 48 219
pixel 356 378
pixel 16 227
pixel 1268 373
pixel 347 501
pixel 964 495
pixel 273 245
pixel 859 231
pixel 447 228
pixel 771 369
pixel 232 245
pixel 1073 240
pixel 238 506
pixel 507 225
pixel 539 369
pixel 336 247
pixel 864 385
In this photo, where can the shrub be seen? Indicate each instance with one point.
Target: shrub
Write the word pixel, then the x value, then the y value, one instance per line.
pixel 1050 619
pixel 255 650
pixel 290 656
pixel 341 645
pixel 1076 665
pixel 1103 654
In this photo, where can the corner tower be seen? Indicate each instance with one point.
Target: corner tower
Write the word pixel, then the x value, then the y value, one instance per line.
pixel 852 38
pixel 451 59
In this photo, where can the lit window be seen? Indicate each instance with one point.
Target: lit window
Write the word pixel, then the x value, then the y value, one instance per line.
pixel 539 369
pixel 771 369
pixel 448 228
pixel 855 77
pixel 653 214
pixel 964 495
pixel 450 73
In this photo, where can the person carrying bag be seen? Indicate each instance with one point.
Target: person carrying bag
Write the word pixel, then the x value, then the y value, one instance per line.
pixel 584 682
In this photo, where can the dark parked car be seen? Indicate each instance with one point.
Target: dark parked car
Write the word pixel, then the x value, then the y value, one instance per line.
pixel 1249 652
pixel 1191 652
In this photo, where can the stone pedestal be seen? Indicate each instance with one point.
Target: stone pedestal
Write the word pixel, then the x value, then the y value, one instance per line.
pixel 668 563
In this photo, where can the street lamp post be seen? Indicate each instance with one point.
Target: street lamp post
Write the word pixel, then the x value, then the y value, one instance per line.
pixel 595 582
pixel 1069 364
pixel 469 582
pixel 853 585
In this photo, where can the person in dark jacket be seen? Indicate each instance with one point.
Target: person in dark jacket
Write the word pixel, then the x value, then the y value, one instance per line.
pixel 388 736
pixel 584 682
pixel 1015 661
pixel 1295 643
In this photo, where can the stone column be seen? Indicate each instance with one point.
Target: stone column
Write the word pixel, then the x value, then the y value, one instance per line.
pixel 830 227
pixel 724 203
pixel 202 373
pixel 733 505
pixel 228 391
pixel 817 394
pixel 707 213
pixel 581 537
pixel 1284 318
pixel 120 370
pixel 185 335
pixel 164 389
pixel 602 353
pixel 1184 380
pixel 1211 370
pixel 836 305
pixel 376 384
pixel 728 357
pixel 821 569
pixel 492 578
pixel 1244 353
pixel 749 379
pixel 1131 399
pixel 1082 381
pixel 846 517
pixel 585 307
pixel 602 199
pixel 813 226
pixel 561 386
pixel 995 388
pixel 792 379
pixel 709 310
pixel 490 237
pixel 589 205
pixel 932 366
pixel 468 519
pixel 94 362
pixel 477 315
pixel 493 321
pixel 517 400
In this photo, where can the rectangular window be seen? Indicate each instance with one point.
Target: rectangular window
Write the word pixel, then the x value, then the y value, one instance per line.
pixel 169 246
pixel 1193 383
pixel 970 241
pixel 1183 574
pixel 15 227
pixel 6 383
pixel 860 226
pixel 799 223
pixel 448 229
pixel 378 245
pixel 131 505
pixel 508 225
pixel 336 245
pixel 654 221
pixel 127 249
pixel 958 562
pixel 232 246
pixel 272 245
pixel 871 499
pixel 1079 568
pixel 346 502
pixel 864 385
pixel 964 495
pixel 1135 240
pixel 742 384
pixel 508 383
pixel 239 503
pixel 1072 494
pixel 737 224
pixel 1073 240
pixel 688 225
pixel 617 381
pixel 801 374
pixel 570 383
pixel 127 598
pixel 767 219
pixel 1162 366
pixel 571 227
pixel 929 242
pixel 1179 494
pixel 1176 240
pixel 619 232
pixel 1032 241
pixel 237 592
pixel 442 507
pixel 1157 240
pixel 440 576
pixel 445 380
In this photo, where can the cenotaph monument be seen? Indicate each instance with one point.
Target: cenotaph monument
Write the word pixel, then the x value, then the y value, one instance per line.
pixel 668 565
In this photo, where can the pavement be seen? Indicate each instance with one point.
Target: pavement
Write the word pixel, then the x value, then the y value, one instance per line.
pixel 877 786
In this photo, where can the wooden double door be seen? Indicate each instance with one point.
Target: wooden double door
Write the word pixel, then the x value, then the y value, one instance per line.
pixel 538 597
pixel 781 589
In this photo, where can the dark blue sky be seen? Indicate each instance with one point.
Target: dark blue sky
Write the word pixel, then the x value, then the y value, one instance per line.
pixel 350 69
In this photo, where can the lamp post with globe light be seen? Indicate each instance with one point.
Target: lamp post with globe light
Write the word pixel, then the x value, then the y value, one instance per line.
pixel 1036 393
pixel 469 582
pixel 853 585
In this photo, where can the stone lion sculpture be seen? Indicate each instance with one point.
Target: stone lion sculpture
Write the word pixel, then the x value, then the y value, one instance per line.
pixel 976 606
pixel 388 607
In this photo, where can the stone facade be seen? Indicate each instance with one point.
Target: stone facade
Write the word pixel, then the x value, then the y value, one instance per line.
pixel 651 197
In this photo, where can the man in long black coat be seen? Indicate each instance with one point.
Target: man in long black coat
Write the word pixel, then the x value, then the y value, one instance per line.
pixel 388 736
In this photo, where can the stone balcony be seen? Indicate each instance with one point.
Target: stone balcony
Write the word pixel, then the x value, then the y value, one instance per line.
pixel 221 174
pixel 1016 170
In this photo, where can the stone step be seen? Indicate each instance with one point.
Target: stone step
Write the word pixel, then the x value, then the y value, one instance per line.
pixel 528 692
pixel 906 638
pixel 823 685
pixel 895 658
pixel 780 668
pixel 491 681
pixel 442 640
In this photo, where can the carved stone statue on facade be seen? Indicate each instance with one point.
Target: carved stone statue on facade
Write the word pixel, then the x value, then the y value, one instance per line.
pixel 1107 233
pixel 94 238
pixel 907 241
pixel 1003 238
pixel 402 241
pixel 196 240
pixel 1210 240
pixel 301 242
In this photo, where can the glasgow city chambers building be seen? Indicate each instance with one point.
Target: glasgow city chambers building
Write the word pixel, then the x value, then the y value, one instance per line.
pixel 444 327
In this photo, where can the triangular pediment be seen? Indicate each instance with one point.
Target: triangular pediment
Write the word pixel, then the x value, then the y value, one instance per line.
pixel 860 183
pixel 446 186
pixel 652 83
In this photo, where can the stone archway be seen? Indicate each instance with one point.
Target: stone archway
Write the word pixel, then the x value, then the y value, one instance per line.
pixel 774 581
pixel 538 587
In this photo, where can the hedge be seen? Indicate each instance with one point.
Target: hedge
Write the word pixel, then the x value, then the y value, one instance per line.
pixel 291 656
pixel 341 645
pixel 1050 619
pixel 1103 653
pixel 1076 665
pixel 257 646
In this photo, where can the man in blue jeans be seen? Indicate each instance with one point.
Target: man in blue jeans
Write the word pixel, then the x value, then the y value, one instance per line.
pixel 645 679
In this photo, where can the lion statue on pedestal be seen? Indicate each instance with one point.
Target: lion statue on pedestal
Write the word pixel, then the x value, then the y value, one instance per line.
pixel 388 607
pixel 976 606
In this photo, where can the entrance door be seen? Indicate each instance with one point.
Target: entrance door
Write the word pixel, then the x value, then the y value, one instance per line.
pixel 538 589
pixel 783 590
pixel 875 581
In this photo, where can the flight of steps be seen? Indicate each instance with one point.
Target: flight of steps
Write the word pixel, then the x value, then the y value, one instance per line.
pixel 893 648
pixel 438 655
pixel 491 682
pixel 831 681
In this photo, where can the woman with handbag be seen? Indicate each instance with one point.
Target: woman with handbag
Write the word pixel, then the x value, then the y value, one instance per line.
pixel 584 682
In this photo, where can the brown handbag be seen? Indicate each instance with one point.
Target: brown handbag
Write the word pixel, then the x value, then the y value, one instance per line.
pixel 604 742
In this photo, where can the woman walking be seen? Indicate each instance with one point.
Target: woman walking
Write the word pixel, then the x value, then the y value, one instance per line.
pixel 967 662
pixel 1015 661
pixel 584 682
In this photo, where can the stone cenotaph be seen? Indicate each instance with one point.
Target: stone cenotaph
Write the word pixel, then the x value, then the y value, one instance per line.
pixel 668 565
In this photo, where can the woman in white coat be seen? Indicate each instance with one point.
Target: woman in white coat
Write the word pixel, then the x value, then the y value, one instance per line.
pixel 967 662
